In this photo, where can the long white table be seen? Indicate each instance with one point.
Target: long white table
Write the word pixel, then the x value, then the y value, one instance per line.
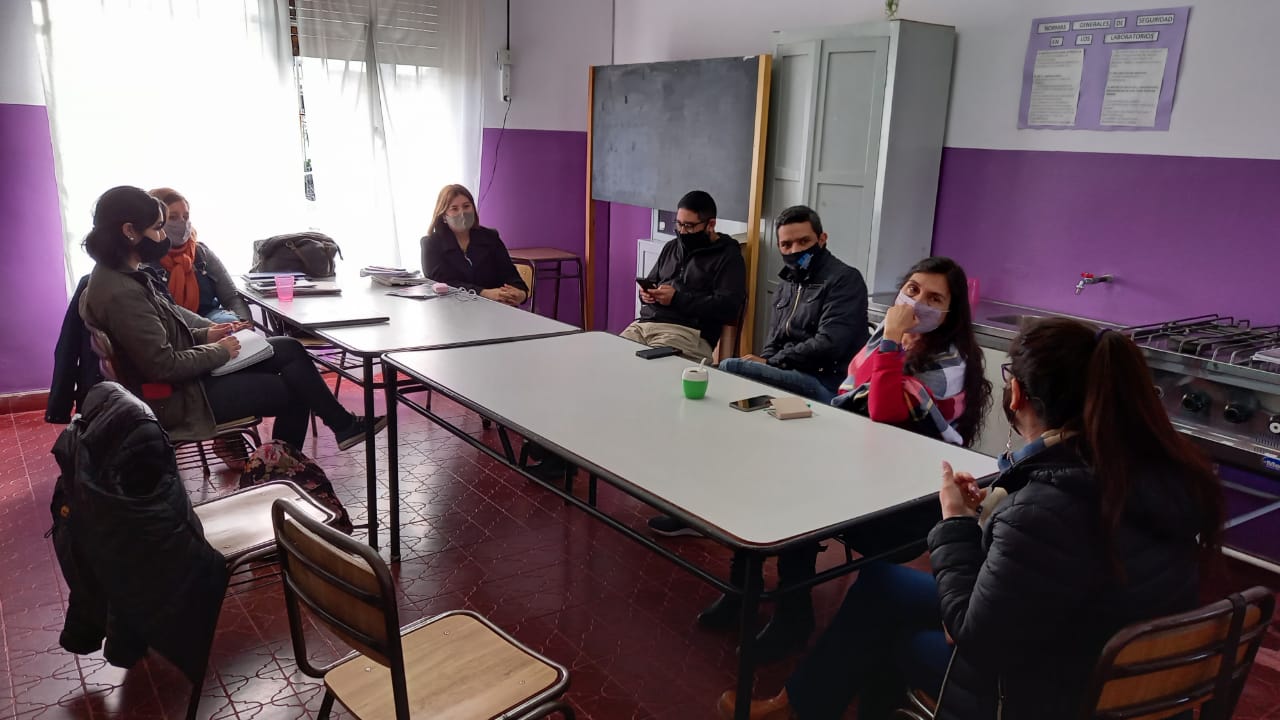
pixel 441 322
pixel 756 484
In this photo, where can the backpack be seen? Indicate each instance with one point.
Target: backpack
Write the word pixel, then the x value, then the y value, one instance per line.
pixel 311 253
pixel 278 460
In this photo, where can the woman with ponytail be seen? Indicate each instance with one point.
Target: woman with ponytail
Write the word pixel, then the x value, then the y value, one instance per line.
pixel 1103 519
pixel 164 353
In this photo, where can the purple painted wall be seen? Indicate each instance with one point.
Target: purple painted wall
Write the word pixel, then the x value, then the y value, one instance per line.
pixel 1183 235
pixel 32 289
pixel 535 200
pixel 627 223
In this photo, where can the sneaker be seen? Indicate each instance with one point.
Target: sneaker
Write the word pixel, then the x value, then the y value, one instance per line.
pixel 360 428
pixel 670 527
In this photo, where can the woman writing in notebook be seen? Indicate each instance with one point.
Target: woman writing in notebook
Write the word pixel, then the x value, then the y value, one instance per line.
pixel 164 352
pixel 461 252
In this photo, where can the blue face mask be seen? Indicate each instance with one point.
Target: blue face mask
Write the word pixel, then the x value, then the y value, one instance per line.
pixel 928 318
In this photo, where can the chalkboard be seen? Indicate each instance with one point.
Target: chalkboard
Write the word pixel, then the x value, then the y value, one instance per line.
pixel 662 129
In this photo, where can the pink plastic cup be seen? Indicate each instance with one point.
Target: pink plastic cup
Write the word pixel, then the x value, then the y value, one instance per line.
pixel 284 288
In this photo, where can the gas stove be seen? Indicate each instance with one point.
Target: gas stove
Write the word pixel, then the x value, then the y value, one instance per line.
pixel 1219 379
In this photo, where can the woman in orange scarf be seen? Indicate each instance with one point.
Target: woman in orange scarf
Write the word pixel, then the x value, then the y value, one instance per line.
pixel 197 279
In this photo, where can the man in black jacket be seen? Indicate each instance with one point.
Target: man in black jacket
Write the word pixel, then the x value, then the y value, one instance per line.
pixel 698 285
pixel 819 319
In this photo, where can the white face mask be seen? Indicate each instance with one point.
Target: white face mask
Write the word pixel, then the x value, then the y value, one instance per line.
pixel 462 221
pixel 928 318
pixel 178 232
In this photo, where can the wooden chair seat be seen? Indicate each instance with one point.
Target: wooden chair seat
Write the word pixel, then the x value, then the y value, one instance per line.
pixel 453 666
pixel 238 525
pixel 457 665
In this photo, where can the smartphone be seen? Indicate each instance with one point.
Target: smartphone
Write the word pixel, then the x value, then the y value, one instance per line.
pixel 656 352
pixel 752 404
pixel 646 283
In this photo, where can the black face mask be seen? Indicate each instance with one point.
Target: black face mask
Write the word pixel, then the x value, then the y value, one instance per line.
pixel 150 251
pixel 800 260
pixel 695 240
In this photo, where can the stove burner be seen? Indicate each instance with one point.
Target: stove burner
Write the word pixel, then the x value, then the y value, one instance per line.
pixel 1214 337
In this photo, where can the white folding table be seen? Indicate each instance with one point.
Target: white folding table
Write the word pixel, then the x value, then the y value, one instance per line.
pixel 397 323
pixel 755 484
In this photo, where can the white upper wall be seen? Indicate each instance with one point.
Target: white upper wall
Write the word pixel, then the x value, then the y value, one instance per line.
pixel 20 73
pixel 553 42
pixel 1227 103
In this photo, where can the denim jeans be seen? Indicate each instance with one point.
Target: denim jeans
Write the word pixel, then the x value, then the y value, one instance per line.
pixel 802 384
pixel 886 637
pixel 221 315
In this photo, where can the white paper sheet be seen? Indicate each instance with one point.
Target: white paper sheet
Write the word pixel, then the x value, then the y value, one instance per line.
pixel 1133 87
pixel 1055 87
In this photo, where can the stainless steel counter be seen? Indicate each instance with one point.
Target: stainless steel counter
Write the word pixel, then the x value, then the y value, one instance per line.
pixel 996 323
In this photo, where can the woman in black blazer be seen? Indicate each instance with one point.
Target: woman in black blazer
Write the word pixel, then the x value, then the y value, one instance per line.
pixel 460 252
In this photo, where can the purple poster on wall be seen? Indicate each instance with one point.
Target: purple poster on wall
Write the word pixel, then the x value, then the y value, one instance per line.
pixel 1103 71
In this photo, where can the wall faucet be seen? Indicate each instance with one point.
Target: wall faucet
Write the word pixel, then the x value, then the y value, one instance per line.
pixel 1090 279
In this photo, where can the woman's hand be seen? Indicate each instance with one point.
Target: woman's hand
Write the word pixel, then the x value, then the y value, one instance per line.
pixel 222 330
pixel 515 295
pixel 230 342
pixel 897 321
pixel 960 495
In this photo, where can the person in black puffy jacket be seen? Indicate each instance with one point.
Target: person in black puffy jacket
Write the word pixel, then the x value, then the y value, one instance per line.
pixel 1102 520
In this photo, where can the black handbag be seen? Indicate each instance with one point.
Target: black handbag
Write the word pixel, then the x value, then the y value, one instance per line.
pixel 311 253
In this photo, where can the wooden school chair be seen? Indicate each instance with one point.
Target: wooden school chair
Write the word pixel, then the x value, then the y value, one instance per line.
pixel 1162 668
pixel 454 665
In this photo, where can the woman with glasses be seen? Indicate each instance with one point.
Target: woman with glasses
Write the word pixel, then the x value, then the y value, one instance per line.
pixel 461 252
pixel 922 370
pixel 1102 520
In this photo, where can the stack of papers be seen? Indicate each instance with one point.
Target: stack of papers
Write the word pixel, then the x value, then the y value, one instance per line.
pixel 1270 355
pixel 392 276
pixel 254 348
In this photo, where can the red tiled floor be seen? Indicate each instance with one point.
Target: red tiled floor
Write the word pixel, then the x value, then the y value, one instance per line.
pixel 475 536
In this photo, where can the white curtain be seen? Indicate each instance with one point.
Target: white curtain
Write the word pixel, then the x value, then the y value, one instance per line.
pixel 197 95
pixel 383 143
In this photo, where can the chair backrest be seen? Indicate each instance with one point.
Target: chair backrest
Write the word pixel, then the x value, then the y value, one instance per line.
pixel 101 344
pixel 345 586
pixel 526 274
pixel 1198 659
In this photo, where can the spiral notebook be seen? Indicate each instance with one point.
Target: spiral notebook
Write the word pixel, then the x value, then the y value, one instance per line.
pixel 254 348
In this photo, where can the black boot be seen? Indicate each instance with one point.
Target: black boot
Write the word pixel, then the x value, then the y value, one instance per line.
pixel 726 612
pixel 793 621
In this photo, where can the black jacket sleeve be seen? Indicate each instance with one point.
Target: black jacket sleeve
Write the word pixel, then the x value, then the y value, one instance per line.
pixel 724 303
pixel 66 362
pixel 505 268
pixel 843 320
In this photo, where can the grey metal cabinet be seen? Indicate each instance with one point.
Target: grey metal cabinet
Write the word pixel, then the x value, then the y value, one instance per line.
pixel 856 131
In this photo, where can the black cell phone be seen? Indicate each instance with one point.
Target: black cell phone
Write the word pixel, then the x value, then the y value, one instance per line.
pixel 656 352
pixel 646 283
pixel 751 404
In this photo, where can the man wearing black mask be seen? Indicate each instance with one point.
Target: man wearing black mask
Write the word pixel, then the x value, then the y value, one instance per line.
pixel 697 286
pixel 819 319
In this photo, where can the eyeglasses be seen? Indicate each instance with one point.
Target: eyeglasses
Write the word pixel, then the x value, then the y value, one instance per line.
pixel 1006 372
pixel 684 227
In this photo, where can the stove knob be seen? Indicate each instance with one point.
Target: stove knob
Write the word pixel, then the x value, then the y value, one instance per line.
pixel 1237 413
pixel 1273 424
pixel 1196 402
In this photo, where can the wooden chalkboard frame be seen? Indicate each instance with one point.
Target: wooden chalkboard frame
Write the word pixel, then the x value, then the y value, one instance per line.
pixel 755 201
